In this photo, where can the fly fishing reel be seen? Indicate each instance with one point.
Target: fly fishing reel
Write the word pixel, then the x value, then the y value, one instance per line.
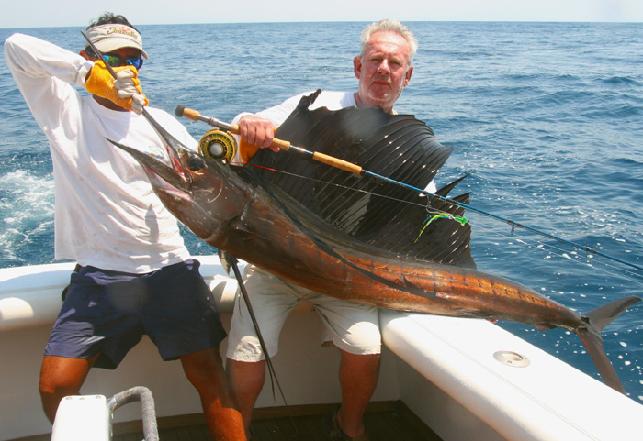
pixel 218 144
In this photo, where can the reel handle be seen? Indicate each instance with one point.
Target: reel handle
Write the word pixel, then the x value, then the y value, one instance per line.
pixel 194 115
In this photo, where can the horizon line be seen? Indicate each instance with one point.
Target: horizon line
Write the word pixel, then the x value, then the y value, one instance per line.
pixel 340 21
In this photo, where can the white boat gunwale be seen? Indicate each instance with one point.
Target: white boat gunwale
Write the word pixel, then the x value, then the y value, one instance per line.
pixel 443 368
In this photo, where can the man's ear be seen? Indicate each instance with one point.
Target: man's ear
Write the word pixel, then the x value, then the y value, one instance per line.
pixel 357 66
pixel 85 55
pixel 408 75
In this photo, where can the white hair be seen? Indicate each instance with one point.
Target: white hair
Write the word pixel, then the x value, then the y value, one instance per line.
pixel 393 26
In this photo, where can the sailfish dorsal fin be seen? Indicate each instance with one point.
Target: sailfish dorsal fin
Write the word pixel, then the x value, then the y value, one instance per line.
pixel 375 213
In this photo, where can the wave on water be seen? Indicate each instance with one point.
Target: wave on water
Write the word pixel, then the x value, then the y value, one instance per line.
pixel 620 80
pixel 26 227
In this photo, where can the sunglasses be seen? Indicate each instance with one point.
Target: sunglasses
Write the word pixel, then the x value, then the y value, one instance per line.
pixel 115 60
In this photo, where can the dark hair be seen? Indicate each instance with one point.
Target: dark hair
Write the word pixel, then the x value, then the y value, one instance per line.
pixel 110 18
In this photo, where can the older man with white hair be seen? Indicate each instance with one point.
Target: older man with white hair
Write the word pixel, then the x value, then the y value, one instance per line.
pixel 383 69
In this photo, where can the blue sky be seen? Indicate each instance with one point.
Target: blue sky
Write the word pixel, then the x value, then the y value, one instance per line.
pixel 48 13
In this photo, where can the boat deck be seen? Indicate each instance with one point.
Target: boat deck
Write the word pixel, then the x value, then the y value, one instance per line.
pixel 385 421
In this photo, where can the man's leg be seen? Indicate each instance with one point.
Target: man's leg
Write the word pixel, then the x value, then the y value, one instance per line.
pixel 60 377
pixel 246 381
pixel 272 300
pixel 358 376
pixel 354 330
pixel 204 370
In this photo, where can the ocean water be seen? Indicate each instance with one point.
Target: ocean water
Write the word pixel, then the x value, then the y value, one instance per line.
pixel 546 118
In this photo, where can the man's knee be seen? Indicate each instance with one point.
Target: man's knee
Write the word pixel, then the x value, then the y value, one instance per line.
pixel 360 365
pixel 59 375
pixel 49 382
pixel 203 368
pixel 49 386
pixel 246 374
pixel 360 359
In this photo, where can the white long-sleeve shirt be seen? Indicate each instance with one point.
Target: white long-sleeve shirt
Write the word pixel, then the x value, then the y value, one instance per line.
pixel 106 213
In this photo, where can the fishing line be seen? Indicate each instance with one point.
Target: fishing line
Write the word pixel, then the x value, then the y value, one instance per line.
pixel 575 257
pixel 513 224
pixel 356 169
pixel 356 190
pixel 271 368
pixel 433 213
pixel 508 221
pixel 589 250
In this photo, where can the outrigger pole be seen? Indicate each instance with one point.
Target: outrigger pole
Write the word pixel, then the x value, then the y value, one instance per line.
pixel 359 171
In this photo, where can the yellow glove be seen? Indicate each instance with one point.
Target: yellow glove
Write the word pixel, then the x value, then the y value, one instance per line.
pixel 124 91
pixel 129 86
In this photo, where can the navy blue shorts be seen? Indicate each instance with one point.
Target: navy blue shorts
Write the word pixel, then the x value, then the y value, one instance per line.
pixel 105 313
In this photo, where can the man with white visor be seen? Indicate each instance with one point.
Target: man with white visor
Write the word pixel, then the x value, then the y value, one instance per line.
pixel 134 275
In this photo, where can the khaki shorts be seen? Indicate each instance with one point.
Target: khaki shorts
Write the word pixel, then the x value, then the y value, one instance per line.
pixel 351 327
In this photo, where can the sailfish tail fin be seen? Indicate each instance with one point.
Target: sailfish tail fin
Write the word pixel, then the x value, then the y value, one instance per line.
pixel 590 335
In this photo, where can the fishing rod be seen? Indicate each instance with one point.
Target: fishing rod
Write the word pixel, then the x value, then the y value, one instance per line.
pixel 216 150
pixel 220 150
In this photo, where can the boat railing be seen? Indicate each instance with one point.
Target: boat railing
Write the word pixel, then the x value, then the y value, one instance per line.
pixel 89 417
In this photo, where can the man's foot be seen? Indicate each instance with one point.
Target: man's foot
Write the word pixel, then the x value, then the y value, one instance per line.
pixel 337 434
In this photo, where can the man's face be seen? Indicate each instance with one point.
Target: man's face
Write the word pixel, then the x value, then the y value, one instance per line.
pixel 119 57
pixel 383 71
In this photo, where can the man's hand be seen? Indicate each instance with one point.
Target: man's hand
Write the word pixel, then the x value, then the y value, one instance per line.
pixel 128 86
pixel 257 132
pixel 124 91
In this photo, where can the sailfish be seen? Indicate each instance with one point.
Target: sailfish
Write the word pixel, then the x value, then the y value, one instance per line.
pixel 356 238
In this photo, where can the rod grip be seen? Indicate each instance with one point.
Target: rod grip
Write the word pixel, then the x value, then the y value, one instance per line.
pixel 234 129
pixel 193 114
pixel 281 143
pixel 337 163
pixel 190 113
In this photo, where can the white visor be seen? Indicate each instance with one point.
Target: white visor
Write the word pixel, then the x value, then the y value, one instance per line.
pixel 110 37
